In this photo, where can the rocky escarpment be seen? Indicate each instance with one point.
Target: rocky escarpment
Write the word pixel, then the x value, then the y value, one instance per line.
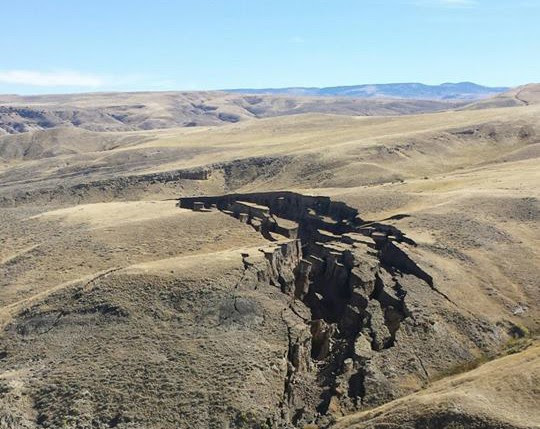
pixel 375 324
pixel 97 189
pixel 80 185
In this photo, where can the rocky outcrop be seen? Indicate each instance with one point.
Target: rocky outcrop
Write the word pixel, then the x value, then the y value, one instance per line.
pixel 97 184
pixel 113 186
pixel 375 325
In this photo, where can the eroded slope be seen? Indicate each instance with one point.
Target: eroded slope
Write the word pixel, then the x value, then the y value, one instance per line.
pixel 463 186
pixel 500 394
pixel 378 326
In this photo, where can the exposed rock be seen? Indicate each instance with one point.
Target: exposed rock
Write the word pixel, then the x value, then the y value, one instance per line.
pixel 379 331
pixel 362 347
pixel 363 301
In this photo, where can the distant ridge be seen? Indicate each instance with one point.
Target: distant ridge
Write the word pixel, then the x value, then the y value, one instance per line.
pixel 419 91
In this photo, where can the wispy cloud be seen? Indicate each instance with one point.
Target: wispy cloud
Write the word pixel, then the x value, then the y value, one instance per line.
pixel 51 79
pixel 447 3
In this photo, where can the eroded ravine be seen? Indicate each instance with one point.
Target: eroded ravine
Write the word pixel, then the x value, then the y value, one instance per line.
pixel 353 279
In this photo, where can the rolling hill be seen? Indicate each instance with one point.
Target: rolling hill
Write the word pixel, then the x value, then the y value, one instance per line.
pixel 415 260
pixel 157 110
pixel 521 96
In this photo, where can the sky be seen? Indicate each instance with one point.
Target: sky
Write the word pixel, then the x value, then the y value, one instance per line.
pixel 60 46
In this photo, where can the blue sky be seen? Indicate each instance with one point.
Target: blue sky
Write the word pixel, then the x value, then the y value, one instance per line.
pixel 72 46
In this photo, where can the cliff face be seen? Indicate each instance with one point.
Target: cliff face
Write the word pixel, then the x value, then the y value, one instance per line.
pixel 374 325
pixel 251 311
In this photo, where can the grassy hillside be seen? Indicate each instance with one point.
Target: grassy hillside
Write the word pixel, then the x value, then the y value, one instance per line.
pixel 522 96
pixel 498 394
pixel 121 310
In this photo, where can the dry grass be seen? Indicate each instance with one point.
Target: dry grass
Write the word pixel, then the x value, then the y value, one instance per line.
pixel 465 183
pixel 502 390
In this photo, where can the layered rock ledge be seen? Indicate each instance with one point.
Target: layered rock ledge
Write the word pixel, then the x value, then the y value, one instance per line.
pixel 376 327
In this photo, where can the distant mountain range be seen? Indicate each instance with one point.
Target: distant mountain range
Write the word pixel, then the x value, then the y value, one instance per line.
pixel 419 91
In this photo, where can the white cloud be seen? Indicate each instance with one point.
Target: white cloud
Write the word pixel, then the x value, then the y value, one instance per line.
pixel 52 79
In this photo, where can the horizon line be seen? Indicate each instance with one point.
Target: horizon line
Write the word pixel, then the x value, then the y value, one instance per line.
pixel 111 91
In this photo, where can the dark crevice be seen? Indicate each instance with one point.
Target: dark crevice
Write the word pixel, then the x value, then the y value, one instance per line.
pixel 356 385
pixel 345 271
